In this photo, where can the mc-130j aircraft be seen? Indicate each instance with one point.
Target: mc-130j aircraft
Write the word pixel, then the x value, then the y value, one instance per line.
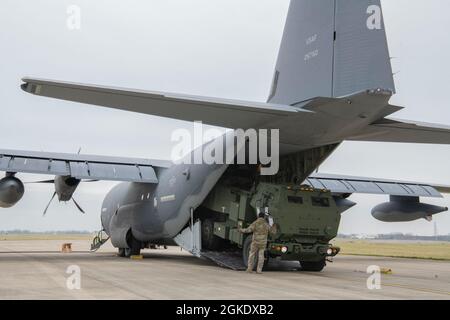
pixel 332 83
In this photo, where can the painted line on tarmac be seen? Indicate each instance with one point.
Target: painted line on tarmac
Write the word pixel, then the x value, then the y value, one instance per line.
pixel 395 285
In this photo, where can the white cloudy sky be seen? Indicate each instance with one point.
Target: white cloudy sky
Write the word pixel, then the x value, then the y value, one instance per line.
pixel 219 48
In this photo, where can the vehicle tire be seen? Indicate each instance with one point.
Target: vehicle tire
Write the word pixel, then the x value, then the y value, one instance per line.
pixel 121 252
pixel 246 254
pixel 209 240
pixel 315 266
pixel 134 246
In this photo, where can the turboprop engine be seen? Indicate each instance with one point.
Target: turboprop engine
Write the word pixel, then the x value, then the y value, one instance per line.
pixel 405 209
pixel 11 191
pixel 65 187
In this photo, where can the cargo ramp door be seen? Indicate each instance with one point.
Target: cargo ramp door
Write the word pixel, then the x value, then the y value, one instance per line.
pixel 190 239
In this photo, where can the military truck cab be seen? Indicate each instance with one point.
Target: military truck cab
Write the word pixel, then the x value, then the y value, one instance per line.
pixel 304 219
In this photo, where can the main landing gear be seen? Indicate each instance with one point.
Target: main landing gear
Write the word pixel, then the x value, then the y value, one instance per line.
pixel 134 247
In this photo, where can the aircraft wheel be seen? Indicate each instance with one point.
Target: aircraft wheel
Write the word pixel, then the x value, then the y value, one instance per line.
pixel 134 248
pixel 315 266
pixel 121 252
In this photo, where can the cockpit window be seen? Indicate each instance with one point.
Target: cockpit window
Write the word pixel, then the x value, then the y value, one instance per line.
pixel 320 202
pixel 296 200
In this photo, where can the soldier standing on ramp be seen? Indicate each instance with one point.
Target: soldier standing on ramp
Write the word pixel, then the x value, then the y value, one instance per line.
pixel 260 229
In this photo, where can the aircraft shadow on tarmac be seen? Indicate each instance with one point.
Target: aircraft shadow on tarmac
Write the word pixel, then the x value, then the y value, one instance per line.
pixel 11 256
pixel 278 266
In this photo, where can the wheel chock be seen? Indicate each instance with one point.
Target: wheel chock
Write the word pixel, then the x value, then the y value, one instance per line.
pixel 386 271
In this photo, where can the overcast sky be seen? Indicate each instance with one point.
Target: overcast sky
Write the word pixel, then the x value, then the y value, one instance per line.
pixel 218 48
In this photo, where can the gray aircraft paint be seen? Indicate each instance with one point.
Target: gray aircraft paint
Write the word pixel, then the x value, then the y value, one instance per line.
pixel 401 209
pixel 328 50
pixel 155 212
pixel 11 191
pixel 318 99
pixel 361 55
pixel 320 121
pixel 305 61
pixel 80 166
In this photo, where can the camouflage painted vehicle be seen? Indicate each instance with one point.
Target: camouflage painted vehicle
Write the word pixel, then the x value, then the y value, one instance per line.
pixel 306 220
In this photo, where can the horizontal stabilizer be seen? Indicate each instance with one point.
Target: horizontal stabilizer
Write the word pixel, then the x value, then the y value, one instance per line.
pixel 219 112
pixel 390 130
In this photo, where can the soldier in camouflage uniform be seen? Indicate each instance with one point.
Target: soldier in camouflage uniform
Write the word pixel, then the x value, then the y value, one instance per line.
pixel 260 229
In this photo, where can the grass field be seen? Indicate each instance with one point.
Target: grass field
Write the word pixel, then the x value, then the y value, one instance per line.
pixel 406 249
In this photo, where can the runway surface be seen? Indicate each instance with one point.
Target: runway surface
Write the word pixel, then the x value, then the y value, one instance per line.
pixel 37 270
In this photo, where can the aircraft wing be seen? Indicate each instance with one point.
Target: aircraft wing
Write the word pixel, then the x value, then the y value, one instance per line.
pixel 348 185
pixel 81 166
pixel 390 130
pixel 219 112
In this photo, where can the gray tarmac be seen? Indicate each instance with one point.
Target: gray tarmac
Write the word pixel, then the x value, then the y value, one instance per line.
pixel 38 270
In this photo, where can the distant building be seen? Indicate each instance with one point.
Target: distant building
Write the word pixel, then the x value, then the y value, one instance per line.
pixel 396 236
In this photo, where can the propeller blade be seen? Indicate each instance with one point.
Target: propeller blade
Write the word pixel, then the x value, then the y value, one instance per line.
pixel 43 181
pixel 78 206
pixel 48 205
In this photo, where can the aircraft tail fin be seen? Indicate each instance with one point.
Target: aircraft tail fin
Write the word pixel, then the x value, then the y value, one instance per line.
pixel 332 48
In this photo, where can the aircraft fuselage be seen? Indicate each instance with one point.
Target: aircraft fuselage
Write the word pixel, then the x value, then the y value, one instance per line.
pixel 161 211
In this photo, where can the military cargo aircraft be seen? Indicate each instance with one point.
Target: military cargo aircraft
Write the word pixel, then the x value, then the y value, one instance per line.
pixel 332 83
